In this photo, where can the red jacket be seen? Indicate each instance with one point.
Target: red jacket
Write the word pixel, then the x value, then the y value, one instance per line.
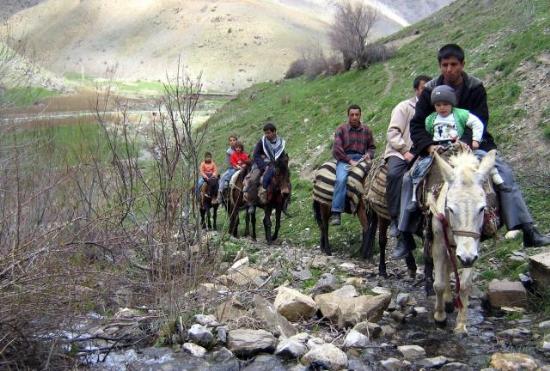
pixel 238 158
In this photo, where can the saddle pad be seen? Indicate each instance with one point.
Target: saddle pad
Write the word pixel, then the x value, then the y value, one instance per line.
pixel 234 178
pixel 376 189
pixel 325 177
pixel 433 183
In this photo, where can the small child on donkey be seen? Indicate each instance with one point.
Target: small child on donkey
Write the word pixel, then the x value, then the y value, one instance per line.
pixel 239 158
pixel 226 176
pixel 207 170
pixel 447 125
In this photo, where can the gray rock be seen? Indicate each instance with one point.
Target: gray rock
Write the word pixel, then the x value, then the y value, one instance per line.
pixel 545 325
pixel 293 347
pixel 355 339
pixel 314 342
pixel 294 305
pixel 539 266
pixel 372 330
pixel 412 352
pixel 201 335
pixel 326 355
pixel 273 321
pixel 221 334
pixel 513 361
pixel 194 349
pixel 206 320
pixel 222 360
pixel 546 343
pixel 456 366
pixel 392 364
pixel 433 362
pixel 402 299
pixel 302 274
pixel 265 362
pixel 345 307
pixel 244 342
pixel 514 333
pixel 326 283
pixel 504 293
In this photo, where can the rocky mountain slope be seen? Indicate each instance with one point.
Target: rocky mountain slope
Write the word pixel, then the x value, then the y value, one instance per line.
pixel 234 43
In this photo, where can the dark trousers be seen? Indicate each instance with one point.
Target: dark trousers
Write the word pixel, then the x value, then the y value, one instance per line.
pixel 396 169
pixel 513 209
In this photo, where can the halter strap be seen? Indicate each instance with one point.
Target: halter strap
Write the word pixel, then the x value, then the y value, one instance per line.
pixel 445 224
pixel 472 234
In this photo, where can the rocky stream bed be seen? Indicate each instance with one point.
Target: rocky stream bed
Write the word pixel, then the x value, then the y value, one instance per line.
pixel 293 308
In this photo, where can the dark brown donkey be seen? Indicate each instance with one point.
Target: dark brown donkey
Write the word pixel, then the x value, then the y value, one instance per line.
pixel 207 201
pixel 277 195
pixel 234 203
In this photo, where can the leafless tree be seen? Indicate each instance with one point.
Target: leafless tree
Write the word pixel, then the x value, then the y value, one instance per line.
pixel 349 32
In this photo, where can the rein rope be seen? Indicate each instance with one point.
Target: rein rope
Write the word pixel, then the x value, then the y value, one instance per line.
pixel 445 224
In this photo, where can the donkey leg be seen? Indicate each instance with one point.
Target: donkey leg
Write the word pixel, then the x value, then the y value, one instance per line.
pixel 465 288
pixel 246 225
pixel 428 266
pixel 382 243
pixel 369 237
pixel 208 218
pixel 215 212
pixel 411 265
pixel 448 294
pixel 253 223
pixel 267 224
pixel 203 222
pixel 278 211
pixel 441 276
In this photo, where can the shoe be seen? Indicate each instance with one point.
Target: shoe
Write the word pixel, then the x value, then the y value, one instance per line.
pixel 394 231
pixel 335 219
pixel 412 206
pixel 405 244
pixel 532 237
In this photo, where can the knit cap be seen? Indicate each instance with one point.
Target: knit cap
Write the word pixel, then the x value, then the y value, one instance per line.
pixel 444 93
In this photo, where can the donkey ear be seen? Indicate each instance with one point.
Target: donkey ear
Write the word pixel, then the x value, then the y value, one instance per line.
pixel 487 164
pixel 444 167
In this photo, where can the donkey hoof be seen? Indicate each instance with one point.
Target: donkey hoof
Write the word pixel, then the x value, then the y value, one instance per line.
pixel 449 307
pixel 383 273
pixel 441 324
pixel 412 273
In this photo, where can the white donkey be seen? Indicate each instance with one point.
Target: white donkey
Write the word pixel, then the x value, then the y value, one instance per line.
pixel 457 220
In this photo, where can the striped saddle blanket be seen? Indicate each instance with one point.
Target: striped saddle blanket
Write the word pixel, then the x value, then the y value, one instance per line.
pixel 376 189
pixel 325 176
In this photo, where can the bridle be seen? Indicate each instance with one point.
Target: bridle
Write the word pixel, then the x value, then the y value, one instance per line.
pixel 445 224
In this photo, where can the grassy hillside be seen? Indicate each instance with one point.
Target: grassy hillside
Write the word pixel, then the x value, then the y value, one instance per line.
pixel 499 37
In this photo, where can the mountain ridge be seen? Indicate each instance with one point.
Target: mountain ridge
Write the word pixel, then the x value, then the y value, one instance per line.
pixel 234 43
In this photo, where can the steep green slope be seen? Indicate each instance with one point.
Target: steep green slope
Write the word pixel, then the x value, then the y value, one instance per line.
pixel 498 36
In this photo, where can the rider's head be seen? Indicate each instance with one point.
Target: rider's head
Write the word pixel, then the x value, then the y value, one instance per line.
pixel 270 131
pixel 419 82
pixel 354 114
pixel 232 140
pixel 239 146
pixel 207 157
pixel 443 98
pixel 451 63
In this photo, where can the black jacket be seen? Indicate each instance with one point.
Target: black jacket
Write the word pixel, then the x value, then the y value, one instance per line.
pixel 472 97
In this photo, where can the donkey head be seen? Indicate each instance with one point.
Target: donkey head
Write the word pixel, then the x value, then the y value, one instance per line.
pixel 465 200
pixel 281 178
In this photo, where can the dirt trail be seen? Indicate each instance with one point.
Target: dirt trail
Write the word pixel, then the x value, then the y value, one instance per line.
pixel 391 79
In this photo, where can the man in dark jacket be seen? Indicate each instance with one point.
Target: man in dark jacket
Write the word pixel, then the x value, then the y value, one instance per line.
pixel 266 152
pixel 471 95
